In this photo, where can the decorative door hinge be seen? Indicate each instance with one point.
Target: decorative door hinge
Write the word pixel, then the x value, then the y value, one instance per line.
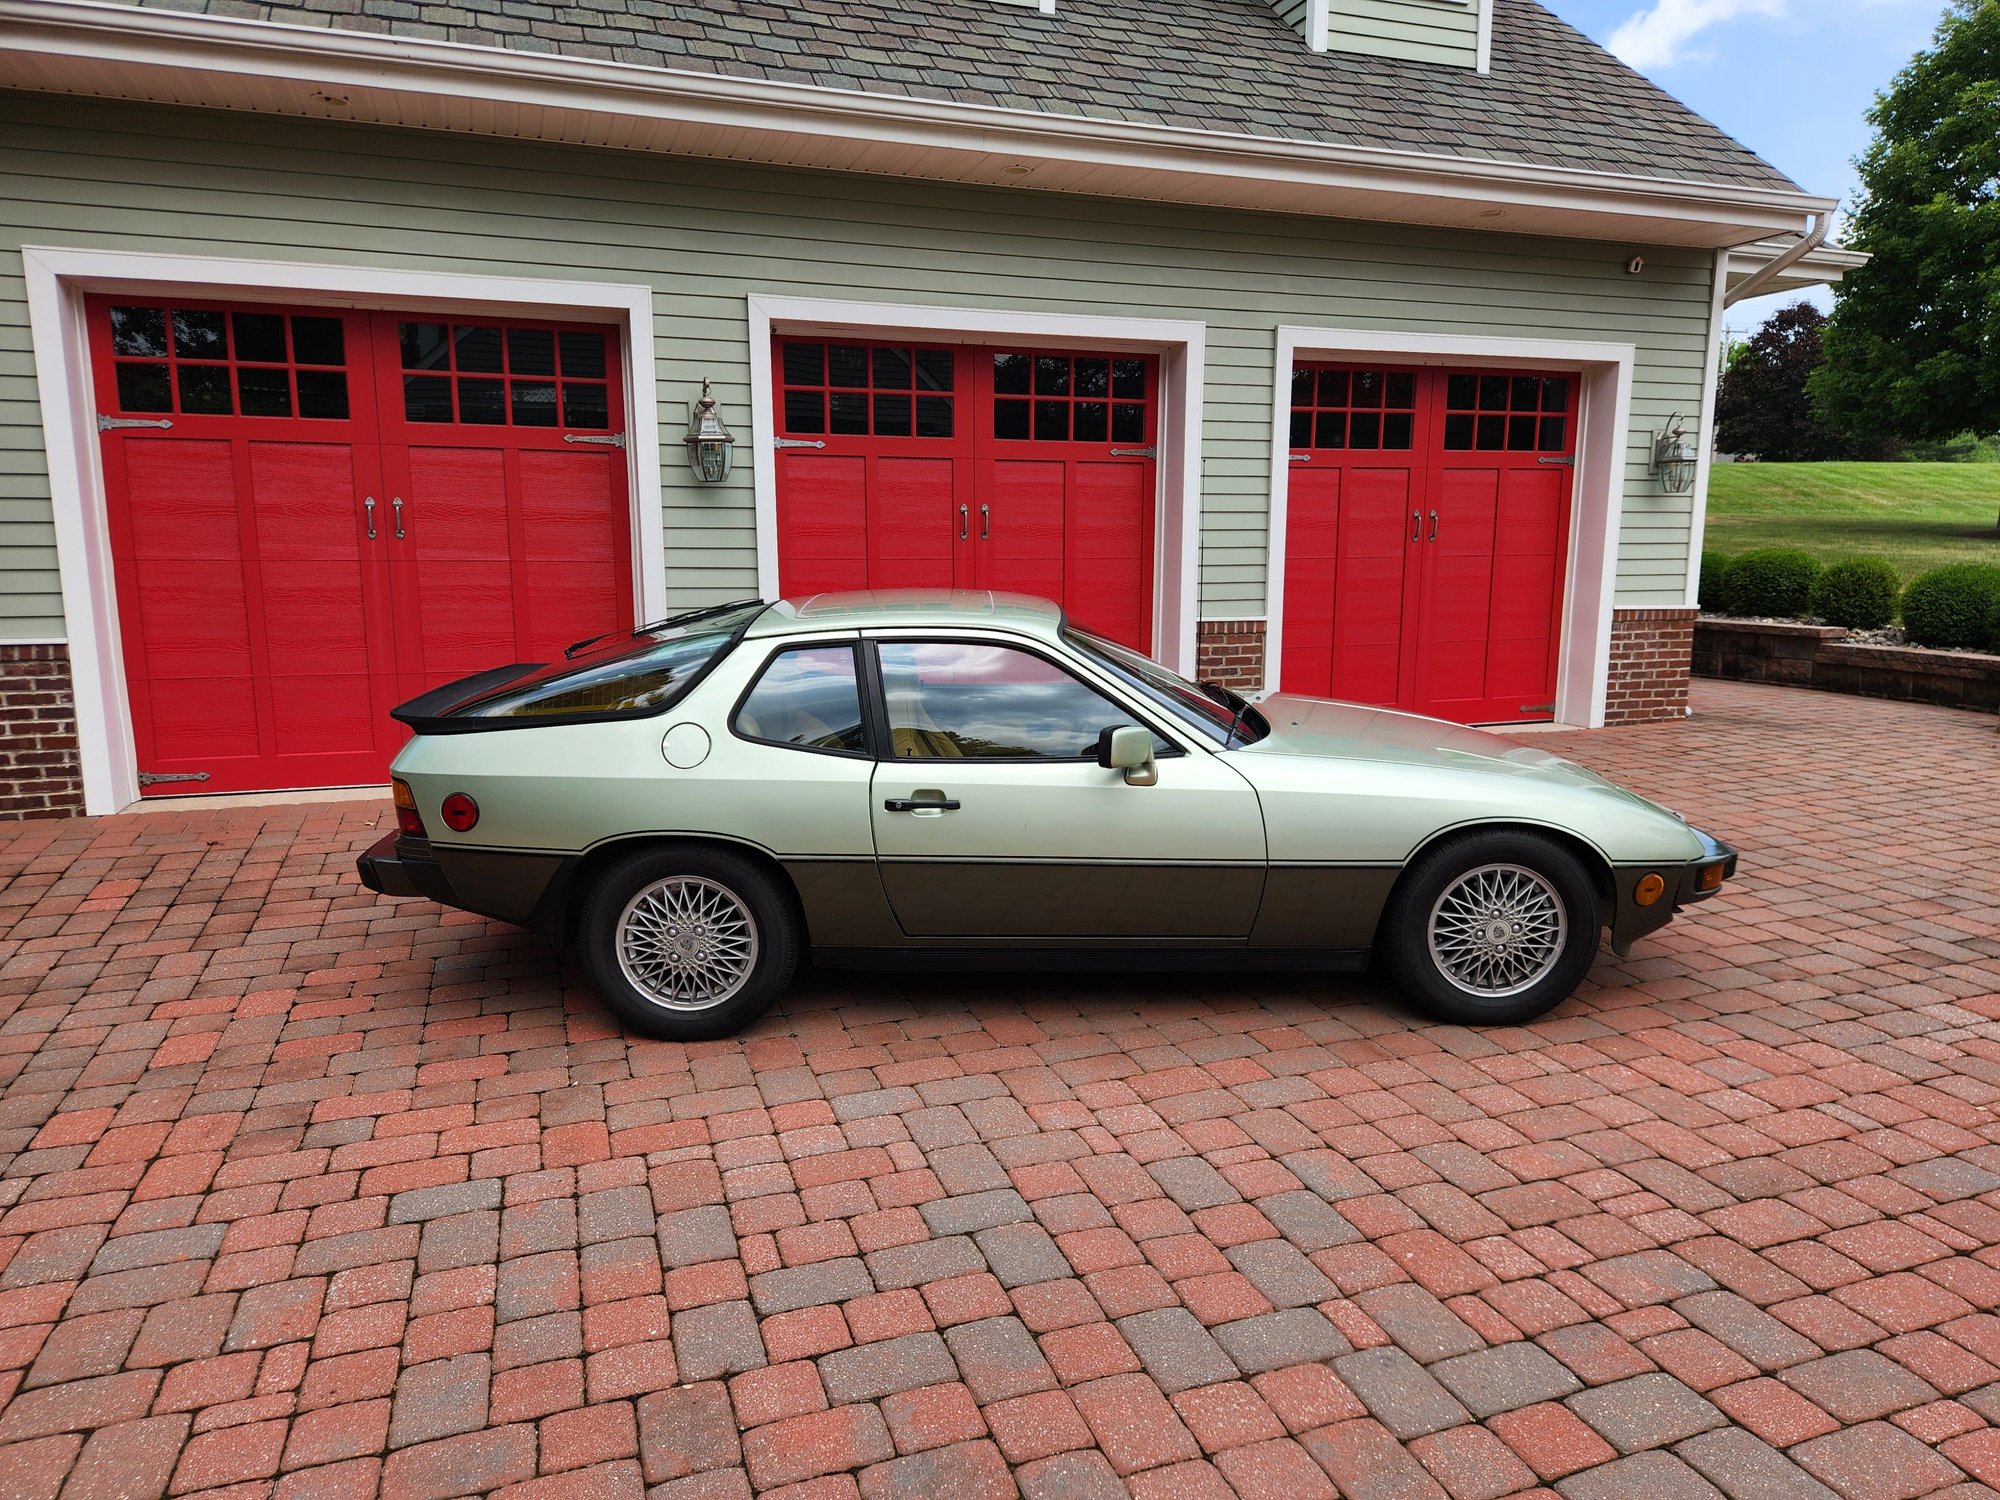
pixel 608 440
pixel 1302 458
pixel 1135 452
pixel 778 442
pixel 1568 463
pixel 1537 708
pixel 109 424
pixel 154 778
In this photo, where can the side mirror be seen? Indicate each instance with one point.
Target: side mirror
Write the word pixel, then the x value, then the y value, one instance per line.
pixel 1128 748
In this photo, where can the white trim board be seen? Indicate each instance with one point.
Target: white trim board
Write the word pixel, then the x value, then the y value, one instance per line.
pixel 58 280
pixel 1583 670
pixel 1181 346
pixel 1711 380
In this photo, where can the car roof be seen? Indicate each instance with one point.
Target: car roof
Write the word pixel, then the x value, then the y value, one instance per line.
pixel 939 609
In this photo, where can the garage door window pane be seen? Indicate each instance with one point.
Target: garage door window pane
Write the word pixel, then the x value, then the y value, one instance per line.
pixel 477 349
pixel 264 393
pixel 892 416
pixel 934 371
pixel 200 335
pixel 1128 379
pixel 318 341
pixel 205 390
pixel 426 398
pixel 807 699
pixel 1093 422
pixel 934 416
pixel 1128 424
pixel 322 394
pixel 585 406
pixel 139 331
pixel 1010 419
pixel 805 411
pixel 531 351
pixel 534 403
pixel 144 388
pixel 957 700
pixel 849 413
pixel 847 366
pixel 483 402
pixel 1010 374
pixel 892 369
pixel 260 337
pixel 582 356
pixel 424 346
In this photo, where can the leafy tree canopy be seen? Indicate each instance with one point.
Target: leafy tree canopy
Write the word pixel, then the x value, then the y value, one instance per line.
pixel 1914 347
pixel 1761 406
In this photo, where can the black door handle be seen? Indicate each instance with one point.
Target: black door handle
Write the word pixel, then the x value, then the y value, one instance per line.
pixel 904 804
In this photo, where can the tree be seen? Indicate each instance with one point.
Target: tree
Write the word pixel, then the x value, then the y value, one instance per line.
pixel 1913 350
pixel 1761 407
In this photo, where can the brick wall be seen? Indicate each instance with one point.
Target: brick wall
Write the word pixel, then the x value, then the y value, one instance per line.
pixel 1230 652
pixel 1650 654
pixel 39 773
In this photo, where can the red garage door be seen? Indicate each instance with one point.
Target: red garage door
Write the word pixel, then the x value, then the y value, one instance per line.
pixel 315 513
pixel 903 466
pixel 1426 537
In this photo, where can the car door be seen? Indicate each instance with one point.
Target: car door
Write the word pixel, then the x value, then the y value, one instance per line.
pixel 994 820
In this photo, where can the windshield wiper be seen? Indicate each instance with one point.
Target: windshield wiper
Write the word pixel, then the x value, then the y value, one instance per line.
pixel 1235 702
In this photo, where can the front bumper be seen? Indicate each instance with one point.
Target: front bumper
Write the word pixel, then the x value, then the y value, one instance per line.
pixel 1631 920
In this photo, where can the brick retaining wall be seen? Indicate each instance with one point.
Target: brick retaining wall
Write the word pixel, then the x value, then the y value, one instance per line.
pixel 1819 656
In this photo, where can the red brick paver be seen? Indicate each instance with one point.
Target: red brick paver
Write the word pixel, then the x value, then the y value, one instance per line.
pixel 311 1195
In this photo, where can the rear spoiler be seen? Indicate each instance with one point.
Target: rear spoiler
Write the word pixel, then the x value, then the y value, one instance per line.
pixel 428 713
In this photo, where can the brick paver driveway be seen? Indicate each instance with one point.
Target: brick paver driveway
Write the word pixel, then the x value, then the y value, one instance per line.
pixel 323 1194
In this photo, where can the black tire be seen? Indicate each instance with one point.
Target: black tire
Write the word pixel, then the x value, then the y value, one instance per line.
pixel 1542 975
pixel 731 894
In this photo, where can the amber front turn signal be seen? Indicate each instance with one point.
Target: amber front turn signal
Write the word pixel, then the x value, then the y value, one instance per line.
pixel 1710 879
pixel 1649 889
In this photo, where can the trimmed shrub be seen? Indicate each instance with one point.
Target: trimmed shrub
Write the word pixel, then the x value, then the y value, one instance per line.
pixel 1713 565
pixel 1859 593
pixel 1993 628
pixel 1953 605
pixel 1774 581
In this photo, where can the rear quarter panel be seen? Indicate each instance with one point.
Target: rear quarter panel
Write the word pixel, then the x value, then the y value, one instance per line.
pixel 568 787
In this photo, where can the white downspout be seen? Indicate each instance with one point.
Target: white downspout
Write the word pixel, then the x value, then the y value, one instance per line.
pixel 1810 241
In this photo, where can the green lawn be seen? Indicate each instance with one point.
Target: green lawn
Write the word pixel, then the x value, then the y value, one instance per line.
pixel 1913 516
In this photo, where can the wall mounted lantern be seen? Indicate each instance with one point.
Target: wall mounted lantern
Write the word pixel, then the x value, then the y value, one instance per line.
pixel 1674 457
pixel 709 443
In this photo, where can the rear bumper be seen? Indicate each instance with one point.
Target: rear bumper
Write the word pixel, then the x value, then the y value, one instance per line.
pixel 1630 920
pixel 521 888
pixel 392 869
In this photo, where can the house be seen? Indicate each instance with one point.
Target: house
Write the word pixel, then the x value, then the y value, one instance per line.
pixel 1314 344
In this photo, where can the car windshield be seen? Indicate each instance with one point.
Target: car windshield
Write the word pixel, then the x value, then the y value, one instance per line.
pixel 618 674
pixel 1224 716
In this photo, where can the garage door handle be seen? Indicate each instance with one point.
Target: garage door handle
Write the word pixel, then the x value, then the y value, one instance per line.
pixel 906 804
pixel 369 504
pixel 1416 526
pixel 964 522
pixel 985 523
pixel 397 503
pixel 1434 525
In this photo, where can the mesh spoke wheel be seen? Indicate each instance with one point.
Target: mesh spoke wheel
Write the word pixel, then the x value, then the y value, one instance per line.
pixel 687 942
pixel 1498 929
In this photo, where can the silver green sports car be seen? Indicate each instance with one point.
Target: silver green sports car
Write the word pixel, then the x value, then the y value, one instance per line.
pixel 965 778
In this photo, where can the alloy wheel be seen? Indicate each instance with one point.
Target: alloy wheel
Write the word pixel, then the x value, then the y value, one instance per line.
pixel 1497 930
pixel 687 942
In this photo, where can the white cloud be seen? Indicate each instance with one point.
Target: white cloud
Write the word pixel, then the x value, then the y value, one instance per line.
pixel 1659 36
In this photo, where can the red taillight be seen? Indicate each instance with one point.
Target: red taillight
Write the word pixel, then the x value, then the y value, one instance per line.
pixel 407 818
pixel 460 812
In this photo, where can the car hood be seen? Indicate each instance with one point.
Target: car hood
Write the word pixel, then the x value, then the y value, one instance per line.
pixel 1330 730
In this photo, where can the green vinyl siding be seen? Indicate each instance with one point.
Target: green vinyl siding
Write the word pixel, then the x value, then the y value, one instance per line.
pixel 703 235
pixel 1433 31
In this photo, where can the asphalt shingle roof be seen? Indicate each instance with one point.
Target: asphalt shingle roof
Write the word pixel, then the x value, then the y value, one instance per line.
pixel 1553 97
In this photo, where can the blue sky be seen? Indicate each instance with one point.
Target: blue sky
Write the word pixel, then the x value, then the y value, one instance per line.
pixel 1791 79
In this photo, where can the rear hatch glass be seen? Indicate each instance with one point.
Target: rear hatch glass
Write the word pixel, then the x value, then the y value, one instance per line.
pixel 609 677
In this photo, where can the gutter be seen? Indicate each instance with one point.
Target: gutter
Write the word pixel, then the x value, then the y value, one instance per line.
pixel 61 38
pixel 1808 242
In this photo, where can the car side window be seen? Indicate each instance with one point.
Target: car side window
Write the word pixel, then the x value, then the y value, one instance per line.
pixel 808 698
pixel 960 700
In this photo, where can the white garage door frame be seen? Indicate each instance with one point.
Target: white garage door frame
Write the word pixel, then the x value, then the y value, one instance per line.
pixel 58 279
pixel 1583 671
pixel 1181 347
